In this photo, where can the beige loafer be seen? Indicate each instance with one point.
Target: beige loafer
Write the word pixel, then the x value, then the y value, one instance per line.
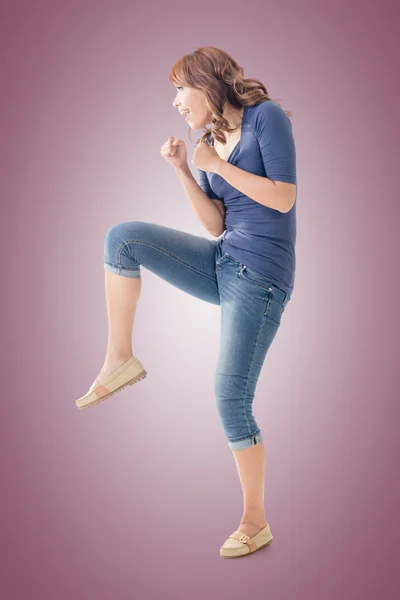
pixel 240 544
pixel 130 372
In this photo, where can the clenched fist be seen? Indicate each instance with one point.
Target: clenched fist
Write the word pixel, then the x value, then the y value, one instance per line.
pixel 205 157
pixel 174 152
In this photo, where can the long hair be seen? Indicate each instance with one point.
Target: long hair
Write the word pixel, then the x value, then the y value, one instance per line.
pixel 221 78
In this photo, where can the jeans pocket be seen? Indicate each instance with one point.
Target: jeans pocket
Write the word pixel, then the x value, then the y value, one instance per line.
pixel 256 282
pixel 255 278
pixel 223 260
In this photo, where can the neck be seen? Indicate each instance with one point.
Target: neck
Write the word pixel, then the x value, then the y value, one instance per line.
pixel 233 115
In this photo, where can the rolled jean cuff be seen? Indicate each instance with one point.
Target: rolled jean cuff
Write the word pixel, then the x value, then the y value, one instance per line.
pixel 249 441
pixel 121 271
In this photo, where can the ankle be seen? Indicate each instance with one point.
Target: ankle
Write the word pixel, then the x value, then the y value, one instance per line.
pixel 254 517
pixel 114 355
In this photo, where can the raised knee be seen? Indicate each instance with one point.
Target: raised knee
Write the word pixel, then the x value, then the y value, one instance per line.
pixel 121 233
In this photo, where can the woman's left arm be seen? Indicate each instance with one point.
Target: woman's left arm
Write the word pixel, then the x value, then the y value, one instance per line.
pixel 278 195
pixel 273 131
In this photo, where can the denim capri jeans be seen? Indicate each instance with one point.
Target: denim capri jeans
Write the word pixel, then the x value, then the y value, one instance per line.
pixel 251 308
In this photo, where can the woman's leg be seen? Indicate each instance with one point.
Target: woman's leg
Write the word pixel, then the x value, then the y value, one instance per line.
pixel 183 259
pixel 250 463
pixel 122 295
pixel 251 310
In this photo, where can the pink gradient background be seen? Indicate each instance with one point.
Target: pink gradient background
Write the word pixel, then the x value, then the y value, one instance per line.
pixel 133 498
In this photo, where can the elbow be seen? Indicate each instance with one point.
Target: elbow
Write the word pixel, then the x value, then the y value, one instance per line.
pixel 218 233
pixel 220 229
pixel 286 196
pixel 291 199
pixel 284 205
pixel 288 206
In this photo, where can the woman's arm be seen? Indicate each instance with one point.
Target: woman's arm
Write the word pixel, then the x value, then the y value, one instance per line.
pixel 206 209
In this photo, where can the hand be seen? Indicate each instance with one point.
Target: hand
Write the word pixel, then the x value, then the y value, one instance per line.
pixel 174 152
pixel 205 157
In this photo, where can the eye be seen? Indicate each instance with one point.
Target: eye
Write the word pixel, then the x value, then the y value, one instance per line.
pixel 179 87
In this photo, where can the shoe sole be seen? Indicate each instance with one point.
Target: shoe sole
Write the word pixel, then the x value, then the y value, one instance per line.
pixel 247 553
pixel 135 379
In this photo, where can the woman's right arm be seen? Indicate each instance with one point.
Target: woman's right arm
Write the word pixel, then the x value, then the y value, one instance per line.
pixel 211 213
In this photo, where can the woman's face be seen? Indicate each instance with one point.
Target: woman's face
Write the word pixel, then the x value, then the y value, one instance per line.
pixel 194 100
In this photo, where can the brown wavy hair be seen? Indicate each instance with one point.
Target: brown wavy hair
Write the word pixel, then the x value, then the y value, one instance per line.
pixel 221 78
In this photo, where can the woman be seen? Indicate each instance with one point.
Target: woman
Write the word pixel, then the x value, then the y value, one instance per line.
pixel 247 188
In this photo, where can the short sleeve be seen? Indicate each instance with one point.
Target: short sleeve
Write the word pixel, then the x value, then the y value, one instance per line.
pixel 274 133
pixel 205 186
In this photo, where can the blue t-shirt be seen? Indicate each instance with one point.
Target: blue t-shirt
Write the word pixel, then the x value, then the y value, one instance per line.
pixel 258 236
